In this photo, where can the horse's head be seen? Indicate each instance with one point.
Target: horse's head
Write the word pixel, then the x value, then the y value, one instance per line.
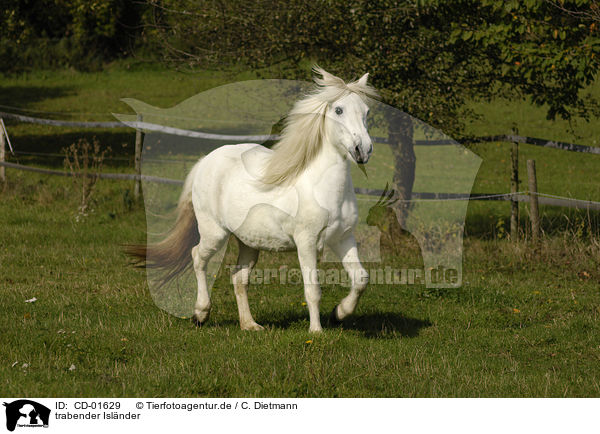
pixel 347 126
pixel 346 113
pixel 333 114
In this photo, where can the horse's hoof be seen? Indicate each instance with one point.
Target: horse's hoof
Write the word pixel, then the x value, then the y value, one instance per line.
pixel 200 317
pixel 252 327
pixel 333 318
pixel 197 322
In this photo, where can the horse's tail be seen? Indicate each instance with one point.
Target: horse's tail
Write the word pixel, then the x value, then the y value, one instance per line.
pixel 173 253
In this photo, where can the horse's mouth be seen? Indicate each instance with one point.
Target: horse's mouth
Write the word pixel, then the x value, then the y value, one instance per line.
pixel 358 156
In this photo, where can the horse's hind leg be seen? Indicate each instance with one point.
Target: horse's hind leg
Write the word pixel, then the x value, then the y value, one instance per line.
pixel 212 238
pixel 246 261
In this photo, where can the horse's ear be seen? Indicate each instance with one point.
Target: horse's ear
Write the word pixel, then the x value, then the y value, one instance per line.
pixel 326 78
pixel 363 80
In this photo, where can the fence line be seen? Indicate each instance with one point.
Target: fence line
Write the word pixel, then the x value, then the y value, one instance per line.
pixel 128 159
pixel 122 176
pixel 536 142
pixel 522 196
pixel 32 120
pixel 3 127
pixel 20 109
pixel 261 138
pixel 139 125
pixel 199 134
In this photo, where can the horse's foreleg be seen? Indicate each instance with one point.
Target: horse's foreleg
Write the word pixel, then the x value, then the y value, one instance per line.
pixel 247 258
pixel 307 256
pixel 348 253
pixel 201 254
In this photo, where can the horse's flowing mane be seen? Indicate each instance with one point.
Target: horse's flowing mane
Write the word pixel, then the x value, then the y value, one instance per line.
pixel 304 130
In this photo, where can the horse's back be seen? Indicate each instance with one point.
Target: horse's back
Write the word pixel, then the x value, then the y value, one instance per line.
pixel 220 174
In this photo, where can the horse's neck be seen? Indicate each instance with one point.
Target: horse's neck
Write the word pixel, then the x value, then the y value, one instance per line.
pixel 329 166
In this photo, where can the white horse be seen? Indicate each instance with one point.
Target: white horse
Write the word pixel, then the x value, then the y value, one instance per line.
pixel 299 195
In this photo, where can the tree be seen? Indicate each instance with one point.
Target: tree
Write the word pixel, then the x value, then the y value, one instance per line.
pixel 428 57
pixel 433 56
pixel 59 33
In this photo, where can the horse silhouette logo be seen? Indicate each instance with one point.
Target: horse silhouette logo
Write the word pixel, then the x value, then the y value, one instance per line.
pixel 26 413
pixel 265 201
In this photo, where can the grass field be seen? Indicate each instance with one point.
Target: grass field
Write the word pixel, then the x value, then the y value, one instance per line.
pixel 524 323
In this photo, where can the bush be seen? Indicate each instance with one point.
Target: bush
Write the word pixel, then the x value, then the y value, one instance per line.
pixel 59 33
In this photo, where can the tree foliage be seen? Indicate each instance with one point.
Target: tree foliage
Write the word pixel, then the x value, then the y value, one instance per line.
pixel 533 48
pixel 59 33
pixel 428 56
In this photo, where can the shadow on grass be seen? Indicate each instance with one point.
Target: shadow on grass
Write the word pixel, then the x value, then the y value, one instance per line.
pixel 24 96
pixel 372 325
pixel 29 147
pixel 385 325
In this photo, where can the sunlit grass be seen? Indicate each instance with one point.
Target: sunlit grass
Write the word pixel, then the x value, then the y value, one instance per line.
pixel 521 325
pixel 524 323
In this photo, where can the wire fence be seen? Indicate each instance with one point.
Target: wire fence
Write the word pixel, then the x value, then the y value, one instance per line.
pixel 522 196
pixel 513 138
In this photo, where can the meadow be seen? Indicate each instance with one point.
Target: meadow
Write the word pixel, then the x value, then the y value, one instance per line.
pixel 524 323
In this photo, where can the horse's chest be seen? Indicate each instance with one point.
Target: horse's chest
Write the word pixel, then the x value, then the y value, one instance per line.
pixel 342 219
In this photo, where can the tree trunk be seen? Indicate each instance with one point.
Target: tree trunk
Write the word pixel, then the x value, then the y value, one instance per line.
pixel 400 133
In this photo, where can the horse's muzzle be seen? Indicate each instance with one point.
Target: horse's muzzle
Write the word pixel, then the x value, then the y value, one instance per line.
pixel 359 156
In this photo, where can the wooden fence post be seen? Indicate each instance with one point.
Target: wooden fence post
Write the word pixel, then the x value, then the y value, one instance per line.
pixel 2 153
pixel 534 213
pixel 514 188
pixel 139 139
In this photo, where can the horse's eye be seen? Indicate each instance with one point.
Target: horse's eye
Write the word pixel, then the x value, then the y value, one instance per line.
pixel 338 111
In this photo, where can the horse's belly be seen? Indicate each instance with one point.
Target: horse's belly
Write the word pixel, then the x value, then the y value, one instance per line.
pixel 266 228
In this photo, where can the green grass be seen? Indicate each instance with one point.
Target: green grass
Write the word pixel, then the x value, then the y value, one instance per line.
pixel 519 326
pixel 94 96
pixel 524 323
